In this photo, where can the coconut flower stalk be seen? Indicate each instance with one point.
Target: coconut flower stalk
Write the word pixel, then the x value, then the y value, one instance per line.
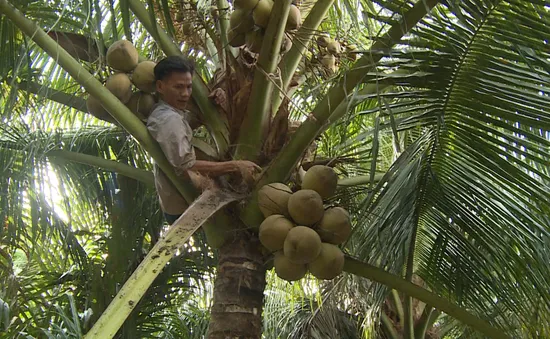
pixel 135 287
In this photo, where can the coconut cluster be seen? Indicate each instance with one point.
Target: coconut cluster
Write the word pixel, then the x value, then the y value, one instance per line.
pixel 331 51
pixel 132 82
pixel 302 234
pixel 249 20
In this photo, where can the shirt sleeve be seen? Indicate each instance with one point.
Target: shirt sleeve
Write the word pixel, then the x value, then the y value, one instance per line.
pixel 171 133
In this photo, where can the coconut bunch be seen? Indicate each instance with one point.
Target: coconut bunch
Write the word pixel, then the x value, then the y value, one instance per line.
pixel 249 20
pixel 303 235
pixel 132 82
pixel 330 52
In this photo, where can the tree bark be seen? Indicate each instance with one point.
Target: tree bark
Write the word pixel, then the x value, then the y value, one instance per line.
pixel 238 290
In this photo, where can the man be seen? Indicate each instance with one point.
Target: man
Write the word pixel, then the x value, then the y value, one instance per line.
pixel 168 124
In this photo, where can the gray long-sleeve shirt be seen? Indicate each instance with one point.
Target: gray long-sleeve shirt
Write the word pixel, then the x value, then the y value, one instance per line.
pixel 170 128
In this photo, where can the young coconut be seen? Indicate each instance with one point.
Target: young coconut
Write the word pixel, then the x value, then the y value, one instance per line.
pixel 273 199
pixel 247 5
pixel 323 41
pixel 95 108
pixel 262 12
pixel 333 47
pixel 144 76
pixel 288 270
pixel 122 56
pixel 241 21
pixel 236 39
pixel 254 40
pixel 305 207
pixel 141 104
pixel 120 85
pixel 294 20
pixel 286 45
pixel 329 264
pixel 273 232
pixel 321 179
pixel 335 227
pixel 329 61
pixel 302 245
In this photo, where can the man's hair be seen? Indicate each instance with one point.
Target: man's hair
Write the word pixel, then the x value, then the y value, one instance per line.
pixel 173 64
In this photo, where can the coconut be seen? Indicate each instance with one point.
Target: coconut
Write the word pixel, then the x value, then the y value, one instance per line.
pixel 305 207
pixel 141 104
pixel 294 20
pixel 95 108
pixel 241 21
pixel 302 245
pixel 286 45
pixel 329 61
pixel 236 39
pixel 333 47
pixel 120 85
pixel 122 56
pixel 329 264
pixel 288 270
pixel 247 5
pixel 273 231
pixel 262 12
pixel 323 41
pixel 273 199
pixel 335 227
pixel 254 40
pixel 321 179
pixel 144 76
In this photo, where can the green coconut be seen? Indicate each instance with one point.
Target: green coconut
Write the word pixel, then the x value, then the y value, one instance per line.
pixel 323 41
pixel 241 21
pixel 143 76
pixel 329 264
pixel 141 104
pixel 305 207
pixel 262 12
pixel 236 39
pixel 329 61
pixel 122 56
pixel 321 179
pixel 288 270
pixel 273 199
pixel 254 40
pixel 294 20
pixel 286 45
pixel 273 231
pixel 247 5
pixel 333 47
pixel 335 227
pixel 120 85
pixel 95 108
pixel 302 245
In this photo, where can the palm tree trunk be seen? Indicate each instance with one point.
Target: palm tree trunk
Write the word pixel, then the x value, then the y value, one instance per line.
pixel 238 290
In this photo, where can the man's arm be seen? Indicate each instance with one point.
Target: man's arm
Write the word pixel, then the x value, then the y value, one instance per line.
pixel 216 169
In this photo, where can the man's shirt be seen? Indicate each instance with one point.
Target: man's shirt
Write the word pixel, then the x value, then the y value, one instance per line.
pixel 170 128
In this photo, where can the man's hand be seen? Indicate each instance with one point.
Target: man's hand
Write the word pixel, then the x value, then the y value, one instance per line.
pixel 248 169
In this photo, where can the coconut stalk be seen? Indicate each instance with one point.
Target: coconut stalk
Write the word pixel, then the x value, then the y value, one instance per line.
pixel 378 275
pixel 258 112
pixel 135 287
pixel 290 61
pixel 387 325
pixel 319 119
pixel 217 126
pixel 63 98
pixel 138 174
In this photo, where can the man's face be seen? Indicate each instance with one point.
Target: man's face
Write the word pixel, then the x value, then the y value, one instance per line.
pixel 175 89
